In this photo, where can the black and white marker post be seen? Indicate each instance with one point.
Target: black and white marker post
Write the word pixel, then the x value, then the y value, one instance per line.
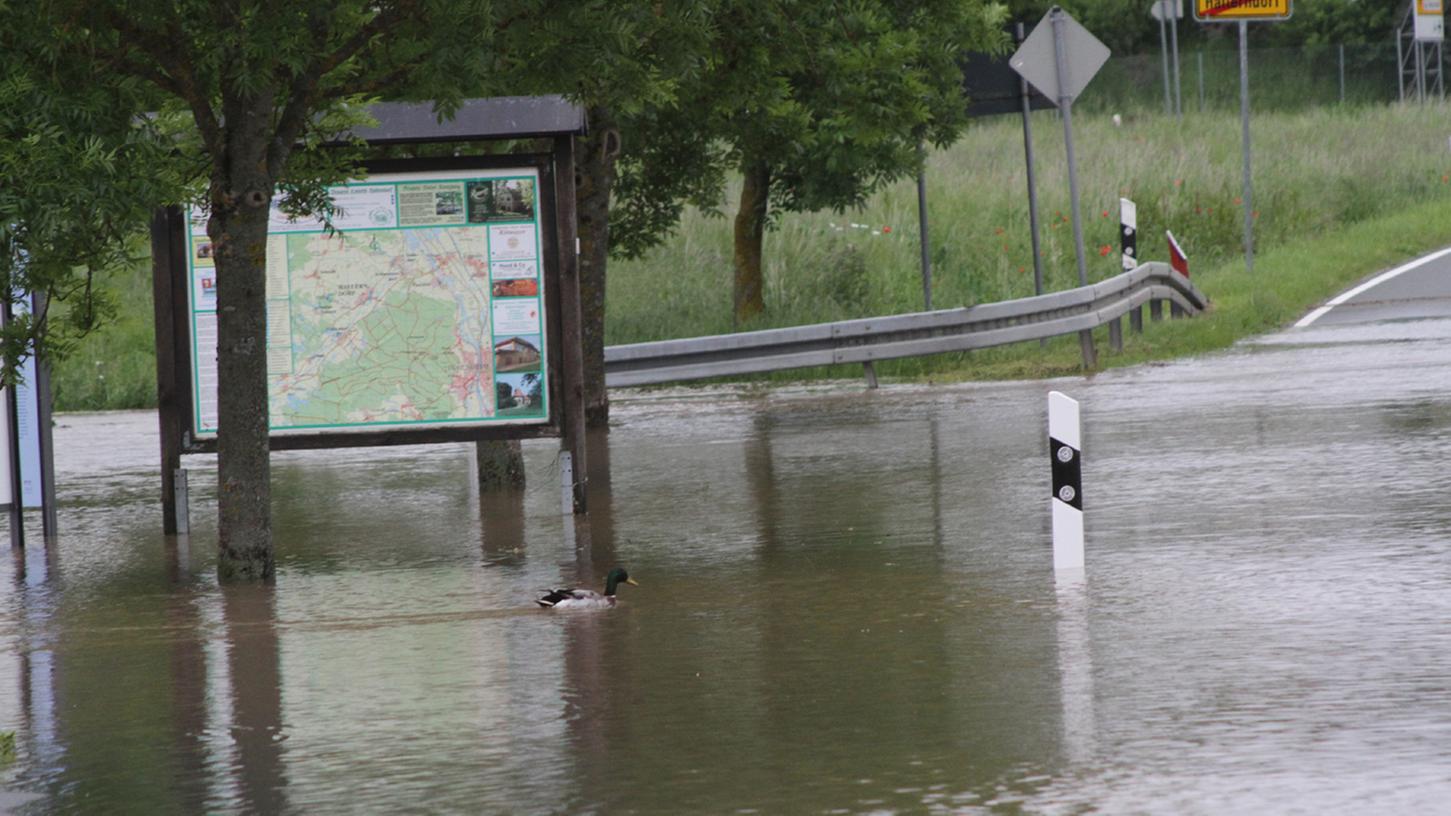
pixel 1128 231
pixel 1065 449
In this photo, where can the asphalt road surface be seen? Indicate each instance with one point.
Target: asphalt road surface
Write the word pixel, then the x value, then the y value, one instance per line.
pixel 1418 289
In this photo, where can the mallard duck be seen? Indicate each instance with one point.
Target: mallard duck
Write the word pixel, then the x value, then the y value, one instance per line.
pixel 569 598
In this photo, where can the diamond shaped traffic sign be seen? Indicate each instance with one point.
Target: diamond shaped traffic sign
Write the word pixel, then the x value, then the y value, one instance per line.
pixel 1036 59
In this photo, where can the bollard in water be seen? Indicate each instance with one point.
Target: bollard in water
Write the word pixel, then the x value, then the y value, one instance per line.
pixel 1065 448
pixel 183 507
pixel 566 481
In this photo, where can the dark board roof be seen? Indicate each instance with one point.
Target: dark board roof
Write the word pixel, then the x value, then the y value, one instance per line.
pixel 502 117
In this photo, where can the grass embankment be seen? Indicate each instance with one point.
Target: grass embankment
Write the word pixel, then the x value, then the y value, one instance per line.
pixel 1339 193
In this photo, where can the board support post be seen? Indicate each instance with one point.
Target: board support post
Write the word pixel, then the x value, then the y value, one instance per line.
pixel 182 502
pixel 566 481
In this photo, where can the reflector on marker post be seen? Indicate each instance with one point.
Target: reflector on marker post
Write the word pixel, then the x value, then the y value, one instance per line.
pixel 1177 258
pixel 1065 448
pixel 1128 231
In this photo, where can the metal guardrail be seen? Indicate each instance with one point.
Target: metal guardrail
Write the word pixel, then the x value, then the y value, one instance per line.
pixel 908 335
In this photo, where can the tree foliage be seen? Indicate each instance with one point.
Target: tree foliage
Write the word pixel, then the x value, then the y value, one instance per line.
pixel 79 174
pixel 819 103
pixel 264 84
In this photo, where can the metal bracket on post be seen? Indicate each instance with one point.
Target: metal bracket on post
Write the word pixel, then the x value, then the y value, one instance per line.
pixel 183 503
pixel 566 482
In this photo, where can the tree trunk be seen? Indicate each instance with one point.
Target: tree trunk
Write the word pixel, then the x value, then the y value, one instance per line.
pixel 750 231
pixel 241 193
pixel 500 465
pixel 595 178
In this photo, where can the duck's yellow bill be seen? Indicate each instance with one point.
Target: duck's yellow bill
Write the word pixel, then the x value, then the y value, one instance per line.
pixel 631 582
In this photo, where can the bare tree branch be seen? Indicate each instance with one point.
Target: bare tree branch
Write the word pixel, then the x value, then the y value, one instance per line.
pixel 175 76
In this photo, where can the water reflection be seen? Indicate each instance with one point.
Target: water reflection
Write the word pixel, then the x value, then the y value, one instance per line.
pixel 254 669
pixel 847 605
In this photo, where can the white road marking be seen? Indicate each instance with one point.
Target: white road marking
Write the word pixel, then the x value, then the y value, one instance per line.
pixel 1373 282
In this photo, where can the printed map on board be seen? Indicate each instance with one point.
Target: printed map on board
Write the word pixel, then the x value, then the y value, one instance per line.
pixel 419 303
pixel 384 326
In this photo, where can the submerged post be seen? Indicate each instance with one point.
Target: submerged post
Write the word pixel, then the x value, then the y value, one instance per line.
pixel 566 482
pixel 182 502
pixel 1064 446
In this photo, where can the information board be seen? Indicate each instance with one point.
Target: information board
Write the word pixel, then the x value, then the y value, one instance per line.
pixel 1232 11
pixel 421 305
pixel 1430 25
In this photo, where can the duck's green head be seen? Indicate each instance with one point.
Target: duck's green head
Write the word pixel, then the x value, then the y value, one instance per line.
pixel 616 577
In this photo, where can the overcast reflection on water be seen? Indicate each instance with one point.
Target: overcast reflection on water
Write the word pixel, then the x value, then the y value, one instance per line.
pixel 846 606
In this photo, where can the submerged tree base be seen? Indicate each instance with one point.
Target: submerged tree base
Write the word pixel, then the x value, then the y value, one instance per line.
pixel 236 567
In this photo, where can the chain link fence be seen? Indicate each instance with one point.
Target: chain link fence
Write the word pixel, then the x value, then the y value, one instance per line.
pixel 1280 79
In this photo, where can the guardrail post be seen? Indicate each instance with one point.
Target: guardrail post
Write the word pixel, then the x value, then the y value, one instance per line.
pixel 870 370
pixel 1116 334
pixel 1175 310
pixel 1090 354
pixel 1156 311
pixel 1136 319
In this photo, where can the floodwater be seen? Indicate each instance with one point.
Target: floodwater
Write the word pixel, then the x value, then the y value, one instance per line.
pixel 846 606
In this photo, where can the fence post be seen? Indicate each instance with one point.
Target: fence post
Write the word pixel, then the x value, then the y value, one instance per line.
pixel 1201 81
pixel 1342 73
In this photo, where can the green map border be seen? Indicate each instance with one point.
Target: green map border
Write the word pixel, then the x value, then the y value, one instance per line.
pixel 399 180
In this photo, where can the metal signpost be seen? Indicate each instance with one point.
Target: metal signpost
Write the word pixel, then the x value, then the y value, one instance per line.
pixel 1059 58
pixel 1169 13
pixel 993 87
pixel 1242 12
pixel 1019 36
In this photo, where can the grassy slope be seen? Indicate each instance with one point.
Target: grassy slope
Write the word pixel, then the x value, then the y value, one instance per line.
pixel 1340 193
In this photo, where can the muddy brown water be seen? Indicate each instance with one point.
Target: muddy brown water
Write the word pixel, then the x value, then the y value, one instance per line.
pixel 846 606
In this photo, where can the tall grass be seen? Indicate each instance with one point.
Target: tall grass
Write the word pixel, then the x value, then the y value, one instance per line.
pixel 114 366
pixel 1316 172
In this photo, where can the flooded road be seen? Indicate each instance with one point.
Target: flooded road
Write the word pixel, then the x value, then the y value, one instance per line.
pixel 846 606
